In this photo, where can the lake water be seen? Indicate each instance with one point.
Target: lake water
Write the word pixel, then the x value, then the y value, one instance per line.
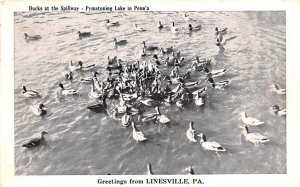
pixel 85 143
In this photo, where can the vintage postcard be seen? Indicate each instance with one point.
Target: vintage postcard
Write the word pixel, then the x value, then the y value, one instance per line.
pixel 109 93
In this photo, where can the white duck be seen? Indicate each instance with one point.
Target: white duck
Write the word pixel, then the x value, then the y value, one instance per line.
pixel 174 29
pixel 194 28
pixel 276 89
pixel 277 110
pixel 66 91
pixel 137 28
pixel 188 18
pixel 212 146
pixel 111 24
pixel 191 133
pixel 93 93
pixel 199 101
pixel 38 110
pixel 218 85
pixel 32 38
pixel 254 137
pixel 250 120
pixel 137 135
pixel 161 118
pixel 215 73
pixel 126 119
pixel 30 93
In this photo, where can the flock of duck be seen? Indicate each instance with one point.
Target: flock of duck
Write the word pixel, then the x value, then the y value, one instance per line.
pixel 141 85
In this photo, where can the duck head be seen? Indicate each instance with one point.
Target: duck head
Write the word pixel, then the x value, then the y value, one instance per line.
pixel 202 138
pixel 61 85
pixel 80 63
pixel 216 29
pixel 155 56
pixel 191 125
pixel 191 171
pixel 173 24
pixel 245 128
pixel 107 21
pixel 26 35
pixel 274 108
pixel 210 80
pixel 157 110
pixel 41 106
pixel 149 168
pixel 24 89
pixel 190 27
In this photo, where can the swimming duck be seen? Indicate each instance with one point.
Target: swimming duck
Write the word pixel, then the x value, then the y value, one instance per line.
pixel 218 85
pixel 188 18
pixel 32 38
pixel 222 31
pixel 121 42
pixel 148 101
pixel 30 93
pixel 277 110
pixel 112 60
pixel 167 50
pixel 181 101
pixel 93 93
pixel 137 28
pixel 83 34
pixel 205 62
pixel 276 89
pixel 111 24
pixel 201 91
pixel 199 101
pixel 68 75
pixel 137 135
pixel 160 25
pixel 100 107
pixel 149 48
pixel 36 141
pixel 162 118
pixel 195 28
pixel 191 133
pixel 175 80
pixel 174 29
pixel 215 73
pixel 255 138
pixel 80 66
pixel 66 91
pixel 211 146
pixel 89 79
pixel 38 110
pixel 250 120
pixel 197 67
pixel 149 169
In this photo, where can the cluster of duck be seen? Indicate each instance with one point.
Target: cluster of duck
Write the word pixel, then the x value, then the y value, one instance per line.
pixel 154 80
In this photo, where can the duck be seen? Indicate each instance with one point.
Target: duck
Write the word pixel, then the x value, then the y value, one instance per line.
pixel 112 60
pixel 149 169
pixel 137 135
pixel 160 25
pixel 161 118
pixel 191 133
pixel 148 101
pixel 121 42
pixel 195 28
pixel 38 110
pixel 111 24
pixel 197 67
pixel 275 109
pixel 205 62
pixel 181 101
pixel 137 28
pixel 149 48
pixel 276 89
pixel 201 91
pixel 73 67
pixel 174 29
pixel 66 91
pixel 167 50
pixel 32 38
pixel 93 93
pixel 255 138
pixel 199 101
pixel 83 34
pixel 211 146
pixel 68 75
pixel 80 66
pixel 169 100
pixel 222 31
pixel 250 120
pixel 90 79
pixel 30 93
pixel 188 18
pixel 175 80
pixel 36 141
pixel 215 73
pixel 218 85
pixel 100 107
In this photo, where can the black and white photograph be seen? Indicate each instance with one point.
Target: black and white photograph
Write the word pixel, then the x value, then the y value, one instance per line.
pixel 150 92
